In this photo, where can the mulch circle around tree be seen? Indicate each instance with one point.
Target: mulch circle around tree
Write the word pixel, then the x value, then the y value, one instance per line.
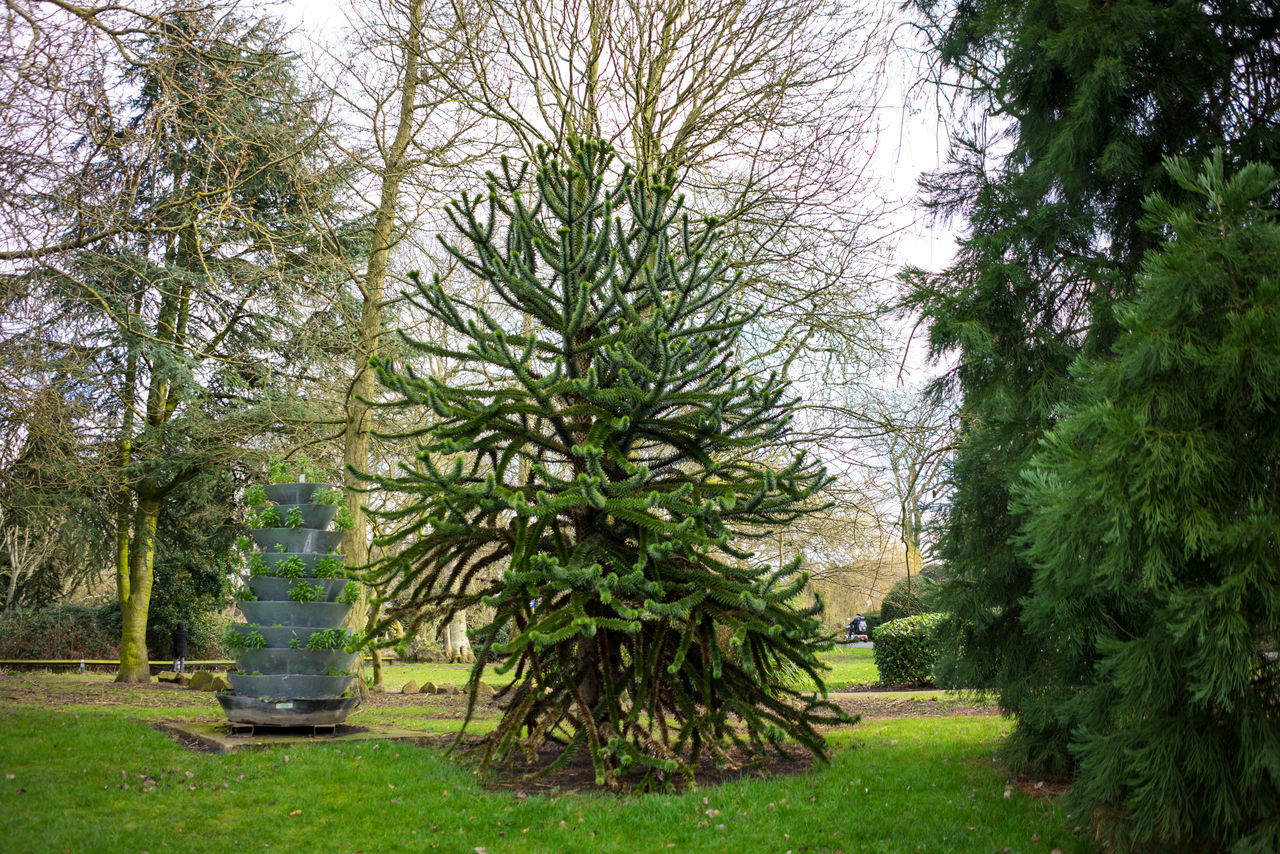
pixel 523 775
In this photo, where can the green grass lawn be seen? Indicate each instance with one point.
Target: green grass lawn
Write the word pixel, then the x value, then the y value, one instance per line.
pixel 849 666
pixel 85 770
pixel 99 781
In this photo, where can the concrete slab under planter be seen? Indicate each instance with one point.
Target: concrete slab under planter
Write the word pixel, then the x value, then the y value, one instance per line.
pixel 217 736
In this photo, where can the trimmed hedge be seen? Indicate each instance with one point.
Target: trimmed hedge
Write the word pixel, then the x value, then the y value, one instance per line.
pixel 906 650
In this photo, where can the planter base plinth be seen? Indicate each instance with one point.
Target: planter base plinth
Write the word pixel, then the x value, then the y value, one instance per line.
pixel 255 712
pixel 317 730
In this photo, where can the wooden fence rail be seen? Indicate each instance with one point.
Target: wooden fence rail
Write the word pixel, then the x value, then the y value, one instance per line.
pixel 102 663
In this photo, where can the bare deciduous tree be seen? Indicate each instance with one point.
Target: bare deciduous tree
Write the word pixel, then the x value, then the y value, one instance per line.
pixel 765 109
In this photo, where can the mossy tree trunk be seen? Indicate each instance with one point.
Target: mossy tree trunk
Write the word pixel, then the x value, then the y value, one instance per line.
pixel 135 661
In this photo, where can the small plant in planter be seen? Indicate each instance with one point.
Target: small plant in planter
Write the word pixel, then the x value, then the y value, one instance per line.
pixel 295 643
pixel 257 565
pixel 255 640
pixel 350 594
pixel 342 639
pixel 330 566
pixel 232 639
pixel 279 471
pixel 343 521
pixel 291 567
pixel 294 518
pixel 310 472
pixel 255 496
pixel 244 593
pixel 267 518
pixel 326 639
pixel 329 496
pixel 304 592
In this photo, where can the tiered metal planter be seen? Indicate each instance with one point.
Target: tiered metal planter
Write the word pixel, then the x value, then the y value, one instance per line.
pixel 284 684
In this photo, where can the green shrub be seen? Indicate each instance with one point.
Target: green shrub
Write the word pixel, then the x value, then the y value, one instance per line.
pixel 335 639
pixel 257 564
pixel 906 650
pixel 60 632
pixel 233 640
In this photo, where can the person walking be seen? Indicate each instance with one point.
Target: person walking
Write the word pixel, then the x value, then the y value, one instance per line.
pixel 179 647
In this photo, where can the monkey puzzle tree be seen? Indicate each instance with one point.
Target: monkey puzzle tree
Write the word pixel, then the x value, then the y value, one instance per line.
pixel 593 486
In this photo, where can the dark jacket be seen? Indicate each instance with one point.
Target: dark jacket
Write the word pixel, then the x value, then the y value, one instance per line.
pixel 180 641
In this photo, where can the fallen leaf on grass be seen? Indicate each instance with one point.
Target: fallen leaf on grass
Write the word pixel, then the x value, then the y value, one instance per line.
pixel 295 812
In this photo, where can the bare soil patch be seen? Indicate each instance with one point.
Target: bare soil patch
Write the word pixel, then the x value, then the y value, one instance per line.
pixel 526 775
pixel 927 706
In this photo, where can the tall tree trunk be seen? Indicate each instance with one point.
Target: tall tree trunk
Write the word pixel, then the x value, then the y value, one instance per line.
pixel 124 497
pixel 135 662
pixel 356 439
pixel 135 603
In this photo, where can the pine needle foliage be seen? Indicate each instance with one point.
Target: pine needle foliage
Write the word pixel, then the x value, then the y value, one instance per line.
pixel 1092 97
pixel 594 491
pixel 1153 516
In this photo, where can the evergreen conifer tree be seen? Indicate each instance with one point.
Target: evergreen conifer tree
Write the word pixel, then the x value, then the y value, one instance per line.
pixel 594 490
pixel 1090 97
pixel 189 251
pixel 1153 517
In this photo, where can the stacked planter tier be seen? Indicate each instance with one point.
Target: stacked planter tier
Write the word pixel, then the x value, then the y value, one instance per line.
pixel 278 684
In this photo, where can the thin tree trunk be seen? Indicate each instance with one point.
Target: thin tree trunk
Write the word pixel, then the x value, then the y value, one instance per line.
pixel 371 620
